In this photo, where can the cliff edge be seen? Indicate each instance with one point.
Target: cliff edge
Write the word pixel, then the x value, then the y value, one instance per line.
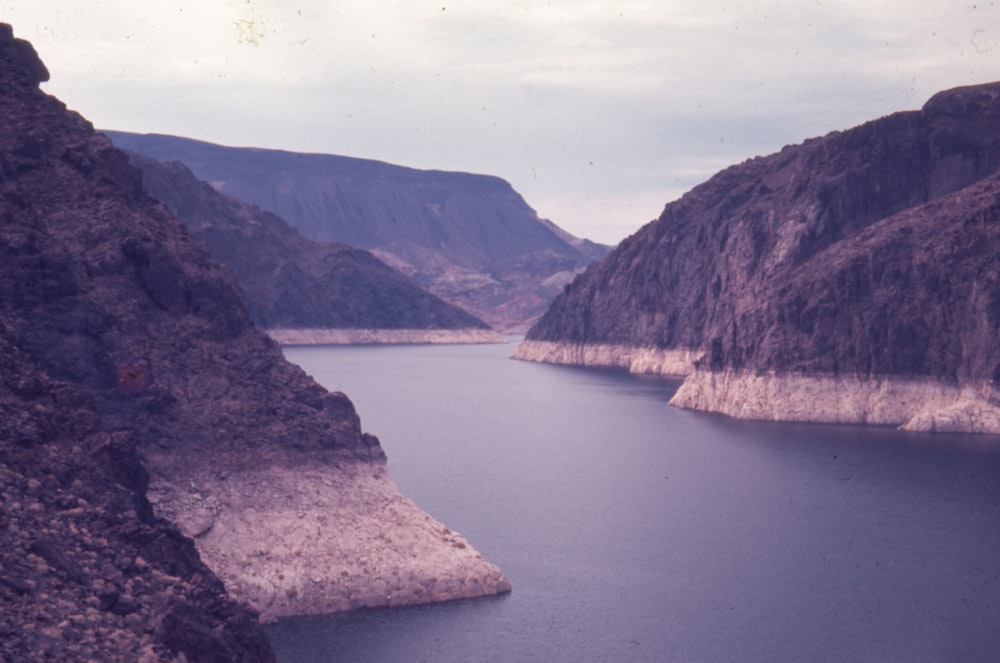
pixel 852 278
pixel 147 425
pixel 301 289
pixel 470 239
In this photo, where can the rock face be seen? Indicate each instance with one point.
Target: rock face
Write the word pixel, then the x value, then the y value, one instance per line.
pixel 129 361
pixel 291 283
pixel 470 239
pixel 87 572
pixel 861 268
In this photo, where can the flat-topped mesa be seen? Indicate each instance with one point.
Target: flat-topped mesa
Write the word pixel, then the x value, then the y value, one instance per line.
pixel 470 239
pixel 129 360
pixel 303 290
pixel 859 268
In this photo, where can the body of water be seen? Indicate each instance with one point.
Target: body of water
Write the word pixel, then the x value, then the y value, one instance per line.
pixel 634 531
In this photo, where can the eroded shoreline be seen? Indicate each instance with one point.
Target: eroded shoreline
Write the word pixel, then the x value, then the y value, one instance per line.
pixel 323 539
pixel 913 404
pixel 647 360
pixel 328 336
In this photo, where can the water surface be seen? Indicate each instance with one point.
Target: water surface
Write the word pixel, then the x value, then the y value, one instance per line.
pixel 634 531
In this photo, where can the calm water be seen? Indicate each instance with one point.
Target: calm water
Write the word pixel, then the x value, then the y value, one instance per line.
pixel 633 531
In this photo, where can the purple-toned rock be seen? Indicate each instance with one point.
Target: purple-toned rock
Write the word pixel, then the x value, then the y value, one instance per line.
pixel 130 369
pixel 470 239
pixel 849 278
pixel 291 283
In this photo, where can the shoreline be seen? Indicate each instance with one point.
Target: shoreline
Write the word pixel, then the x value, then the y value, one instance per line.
pixel 296 541
pixel 356 336
pixel 646 360
pixel 909 403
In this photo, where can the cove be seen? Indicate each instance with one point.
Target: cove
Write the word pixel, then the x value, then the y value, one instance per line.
pixel 635 531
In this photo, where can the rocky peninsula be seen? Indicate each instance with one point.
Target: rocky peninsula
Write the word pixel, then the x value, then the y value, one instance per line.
pixel 166 475
pixel 852 278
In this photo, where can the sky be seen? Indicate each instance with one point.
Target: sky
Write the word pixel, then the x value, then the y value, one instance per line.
pixel 598 113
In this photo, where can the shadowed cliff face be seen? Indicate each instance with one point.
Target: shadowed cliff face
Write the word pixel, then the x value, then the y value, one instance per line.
pixel 470 239
pixel 98 289
pixel 105 289
pixel 917 294
pixel 288 281
pixel 865 252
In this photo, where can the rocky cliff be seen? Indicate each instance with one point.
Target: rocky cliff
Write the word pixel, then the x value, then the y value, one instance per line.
pixel 853 277
pixel 87 571
pixel 301 288
pixel 470 239
pixel 132 370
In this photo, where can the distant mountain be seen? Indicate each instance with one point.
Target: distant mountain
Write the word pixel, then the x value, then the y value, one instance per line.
pixel 854 277
pixel 290 283
pixel 470 239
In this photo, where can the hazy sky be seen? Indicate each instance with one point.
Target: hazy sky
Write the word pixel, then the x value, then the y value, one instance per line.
pixel 598 113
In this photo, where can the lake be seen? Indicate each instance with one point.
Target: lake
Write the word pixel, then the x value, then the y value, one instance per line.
pixel 634 531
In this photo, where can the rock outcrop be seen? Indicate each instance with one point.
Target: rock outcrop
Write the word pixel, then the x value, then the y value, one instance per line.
pixel 470 239
pixel 854 277
pixel 290 283
pixel 129 363
pixel 87 572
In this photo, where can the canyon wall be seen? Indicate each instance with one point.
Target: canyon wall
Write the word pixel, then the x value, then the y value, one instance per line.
pixel 289 282
pixel 470 239
pixel 868 255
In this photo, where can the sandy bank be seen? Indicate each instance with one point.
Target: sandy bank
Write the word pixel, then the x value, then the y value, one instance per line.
pixel 380 336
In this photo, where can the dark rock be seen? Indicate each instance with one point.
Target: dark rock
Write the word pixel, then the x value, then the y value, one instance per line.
pixel 17 583
pixel 52 551
pixel 108 598
pixel 26 67
pixel 124 605
pixel 190 631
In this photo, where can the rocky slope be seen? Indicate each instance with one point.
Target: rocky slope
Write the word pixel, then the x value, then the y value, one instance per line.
pixel 298 288
pixel 853 277
pixel 131 367
pixel 87 572
pixel 470 239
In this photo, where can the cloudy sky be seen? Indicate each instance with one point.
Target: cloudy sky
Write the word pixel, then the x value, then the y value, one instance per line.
pixel 597 112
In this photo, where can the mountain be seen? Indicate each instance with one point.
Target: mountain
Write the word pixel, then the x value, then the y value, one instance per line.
pixel 166 474
pixel 295 287
pixel 470 239
pixel 854 278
